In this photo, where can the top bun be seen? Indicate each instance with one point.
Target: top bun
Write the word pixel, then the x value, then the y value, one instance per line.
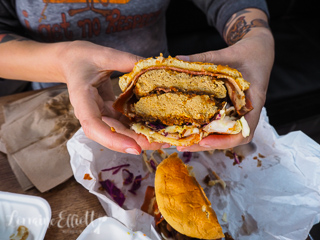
pixel 125 80
pixel 183 203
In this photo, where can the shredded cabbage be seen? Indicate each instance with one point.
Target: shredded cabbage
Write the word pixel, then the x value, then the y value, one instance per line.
pixel 187 156
pixel 129 178
pixel 113 191
pixel 116 168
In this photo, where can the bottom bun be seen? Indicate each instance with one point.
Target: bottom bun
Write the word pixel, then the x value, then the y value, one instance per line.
pixel 187 135
pixel 153 136
pixel 182 201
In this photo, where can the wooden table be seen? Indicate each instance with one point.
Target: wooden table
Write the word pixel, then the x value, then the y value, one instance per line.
pixel 73 207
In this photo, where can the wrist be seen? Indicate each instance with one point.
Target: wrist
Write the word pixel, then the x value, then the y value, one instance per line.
pixel 243 23
pixel 62 59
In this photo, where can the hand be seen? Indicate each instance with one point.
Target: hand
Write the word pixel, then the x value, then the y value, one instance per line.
pixel 253 56
pixel 86 68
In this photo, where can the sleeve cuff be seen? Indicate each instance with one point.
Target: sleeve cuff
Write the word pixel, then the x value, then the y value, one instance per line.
pixel 231 7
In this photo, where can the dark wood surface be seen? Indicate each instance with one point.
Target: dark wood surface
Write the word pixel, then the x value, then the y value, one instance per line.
pixel 72 206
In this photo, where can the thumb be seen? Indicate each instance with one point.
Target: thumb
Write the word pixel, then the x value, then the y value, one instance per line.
pixel 211 57
pixel 121 61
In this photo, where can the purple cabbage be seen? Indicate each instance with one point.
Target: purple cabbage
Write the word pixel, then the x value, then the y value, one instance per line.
pixel 187 156
pixel 136 184
pixel 236 158
pixel 153 165
pixel 113 191
pixel 156 126
pixel 116 168
pixel 128 179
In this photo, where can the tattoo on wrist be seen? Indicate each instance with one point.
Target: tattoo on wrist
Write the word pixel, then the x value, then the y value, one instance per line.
pixel 10 37
pixel 240 28
pixel 232 18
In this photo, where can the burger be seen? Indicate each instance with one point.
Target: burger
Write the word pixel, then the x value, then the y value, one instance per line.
pixel 178 102
pixel 179 205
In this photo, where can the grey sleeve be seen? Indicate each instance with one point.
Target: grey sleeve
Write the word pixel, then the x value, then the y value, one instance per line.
pixel 218 12
pixel 9 22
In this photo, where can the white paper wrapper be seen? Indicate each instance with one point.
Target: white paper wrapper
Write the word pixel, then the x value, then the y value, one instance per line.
pixel 274 193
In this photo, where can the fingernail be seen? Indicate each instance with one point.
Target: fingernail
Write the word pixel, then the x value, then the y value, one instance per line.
pixel 183 58
pixel 132 151
pixel 167 145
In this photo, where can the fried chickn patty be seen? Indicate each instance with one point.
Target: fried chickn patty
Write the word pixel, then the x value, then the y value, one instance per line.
pixel 176 108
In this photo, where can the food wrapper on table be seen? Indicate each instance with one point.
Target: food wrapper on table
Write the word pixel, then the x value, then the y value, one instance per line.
pixel 274 193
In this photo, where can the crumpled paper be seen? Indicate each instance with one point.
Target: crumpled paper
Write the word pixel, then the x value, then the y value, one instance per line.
pixel 274 193
pixel 35 133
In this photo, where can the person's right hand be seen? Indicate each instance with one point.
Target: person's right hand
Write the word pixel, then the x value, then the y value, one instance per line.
pixel 86 68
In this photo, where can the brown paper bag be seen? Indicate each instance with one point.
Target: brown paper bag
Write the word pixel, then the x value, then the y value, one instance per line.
pixel 35 133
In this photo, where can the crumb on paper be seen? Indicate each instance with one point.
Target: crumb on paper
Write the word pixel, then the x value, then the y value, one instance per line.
pixel 224 217
pixel 100 180
pixel 227 236
pixel 146 161
pixel 228 153
pixel 233 155
pixel 259 162
pixel 152 162
pixel 214 182
pixel 87 176
pixel 211 152
pixel 163 154
pixel 211 182
pixel 261 156
pixel 21 234
pixel 190 170
pixel 219 180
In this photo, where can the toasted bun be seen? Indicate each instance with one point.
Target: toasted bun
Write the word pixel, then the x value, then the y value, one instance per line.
pixel 182 201
pixel 125 80
pixel 153 136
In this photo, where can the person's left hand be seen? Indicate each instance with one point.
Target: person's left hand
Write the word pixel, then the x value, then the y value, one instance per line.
pixel 253 56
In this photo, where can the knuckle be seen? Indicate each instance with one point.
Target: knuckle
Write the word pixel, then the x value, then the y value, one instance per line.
pixel 137 58
pixel 210 57
pixel 206 57
pixel 87 129
pixel 111 145
pixel 203 57
pixel 85 124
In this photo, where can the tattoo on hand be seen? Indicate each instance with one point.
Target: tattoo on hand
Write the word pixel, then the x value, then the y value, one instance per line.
pixel 241 28
pixel 10 37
